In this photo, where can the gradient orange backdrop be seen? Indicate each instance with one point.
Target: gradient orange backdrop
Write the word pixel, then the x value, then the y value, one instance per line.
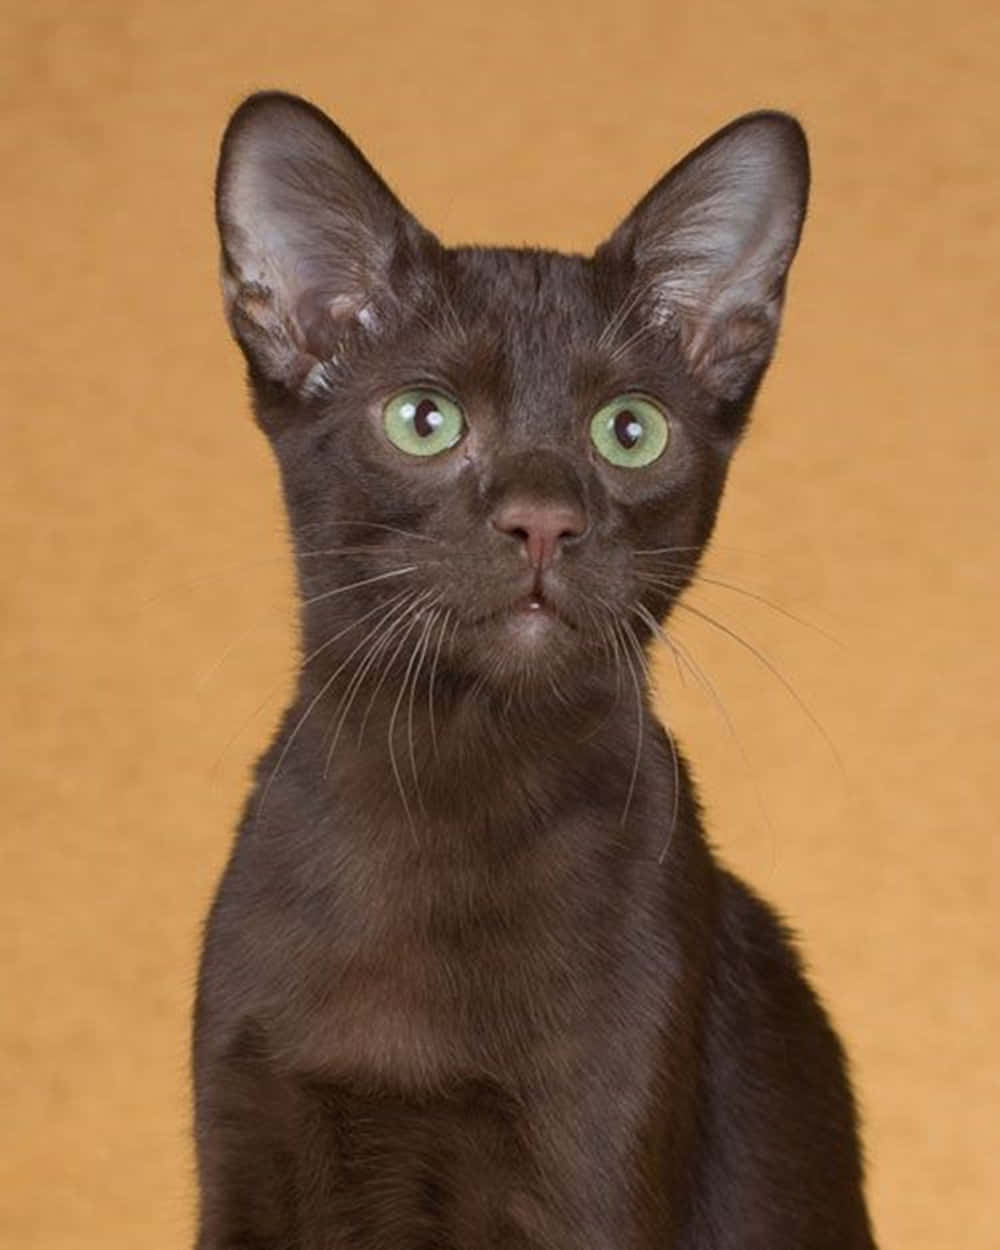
pixel 147 640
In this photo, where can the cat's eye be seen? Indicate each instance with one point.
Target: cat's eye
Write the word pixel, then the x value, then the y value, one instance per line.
pixel 423 423
pixel 631 431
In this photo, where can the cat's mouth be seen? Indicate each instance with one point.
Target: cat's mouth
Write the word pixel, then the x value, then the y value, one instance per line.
pixel 534 612
pixel 540 607
pixel 535 602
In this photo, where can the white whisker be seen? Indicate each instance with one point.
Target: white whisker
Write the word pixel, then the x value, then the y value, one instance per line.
pixel 305 716
pixel 365 581
pixel 430 684
pixel 384 632
pixel 629 638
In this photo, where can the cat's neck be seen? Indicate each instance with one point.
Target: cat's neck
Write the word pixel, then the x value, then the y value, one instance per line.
pixel 479 757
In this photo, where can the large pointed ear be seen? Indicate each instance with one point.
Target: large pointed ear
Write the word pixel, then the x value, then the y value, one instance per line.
pixel 309 236
pixel 708 248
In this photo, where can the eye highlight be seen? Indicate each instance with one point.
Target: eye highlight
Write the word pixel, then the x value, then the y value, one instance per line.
pixel 630 431
pixel 423 422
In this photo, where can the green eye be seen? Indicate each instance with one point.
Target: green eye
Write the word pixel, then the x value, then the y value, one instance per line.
pixel 423 423
pixel 630 431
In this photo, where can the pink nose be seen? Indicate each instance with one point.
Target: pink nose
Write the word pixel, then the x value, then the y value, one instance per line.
pixel 540 526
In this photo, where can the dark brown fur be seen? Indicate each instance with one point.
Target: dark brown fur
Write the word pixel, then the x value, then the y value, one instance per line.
pixel 473 978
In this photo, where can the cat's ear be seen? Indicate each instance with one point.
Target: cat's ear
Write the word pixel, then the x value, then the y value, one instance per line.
pixel 708 248
pixel 309 233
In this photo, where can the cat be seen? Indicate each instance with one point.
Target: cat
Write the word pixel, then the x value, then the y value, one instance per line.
pixel 472 977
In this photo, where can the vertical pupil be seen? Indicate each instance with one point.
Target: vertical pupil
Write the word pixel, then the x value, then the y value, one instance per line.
pixel 427 418
pixel 628 430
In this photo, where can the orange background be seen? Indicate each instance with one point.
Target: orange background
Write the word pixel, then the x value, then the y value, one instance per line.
pixel 147 642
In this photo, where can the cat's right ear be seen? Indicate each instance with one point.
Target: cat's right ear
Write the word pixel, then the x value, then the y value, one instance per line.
pixel 709 247
pixel 309 235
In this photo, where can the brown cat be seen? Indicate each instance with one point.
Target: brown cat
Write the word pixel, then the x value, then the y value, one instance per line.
pixel 473 978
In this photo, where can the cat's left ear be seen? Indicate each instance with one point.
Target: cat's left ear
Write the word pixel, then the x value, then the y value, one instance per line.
pixel 709 247
pixel 313 241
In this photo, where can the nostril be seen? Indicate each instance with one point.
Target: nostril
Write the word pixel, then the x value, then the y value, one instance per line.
pixel 540 527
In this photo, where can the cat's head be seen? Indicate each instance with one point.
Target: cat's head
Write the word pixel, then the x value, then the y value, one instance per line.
pixel 514 457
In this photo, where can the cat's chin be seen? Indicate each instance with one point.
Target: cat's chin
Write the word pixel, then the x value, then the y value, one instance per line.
pixel 527 640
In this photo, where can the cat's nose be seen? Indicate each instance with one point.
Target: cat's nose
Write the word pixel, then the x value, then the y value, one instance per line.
pixel 540 525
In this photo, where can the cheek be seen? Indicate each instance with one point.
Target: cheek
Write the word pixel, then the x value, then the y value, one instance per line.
pixel 677 505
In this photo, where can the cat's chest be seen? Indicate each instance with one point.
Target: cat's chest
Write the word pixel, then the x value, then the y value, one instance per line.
pixel 429 973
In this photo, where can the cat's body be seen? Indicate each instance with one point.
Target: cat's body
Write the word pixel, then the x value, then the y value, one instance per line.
pixel 472 978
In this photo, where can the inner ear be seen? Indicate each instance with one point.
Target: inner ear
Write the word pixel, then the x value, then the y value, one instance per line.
pixel 311 236
pixel 709 248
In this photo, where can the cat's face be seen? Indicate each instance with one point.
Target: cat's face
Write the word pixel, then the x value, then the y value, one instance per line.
pixel 513 457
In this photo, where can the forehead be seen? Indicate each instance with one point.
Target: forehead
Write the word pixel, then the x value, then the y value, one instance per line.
pixel 528 279
pixel 537 302
pixel 532 320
